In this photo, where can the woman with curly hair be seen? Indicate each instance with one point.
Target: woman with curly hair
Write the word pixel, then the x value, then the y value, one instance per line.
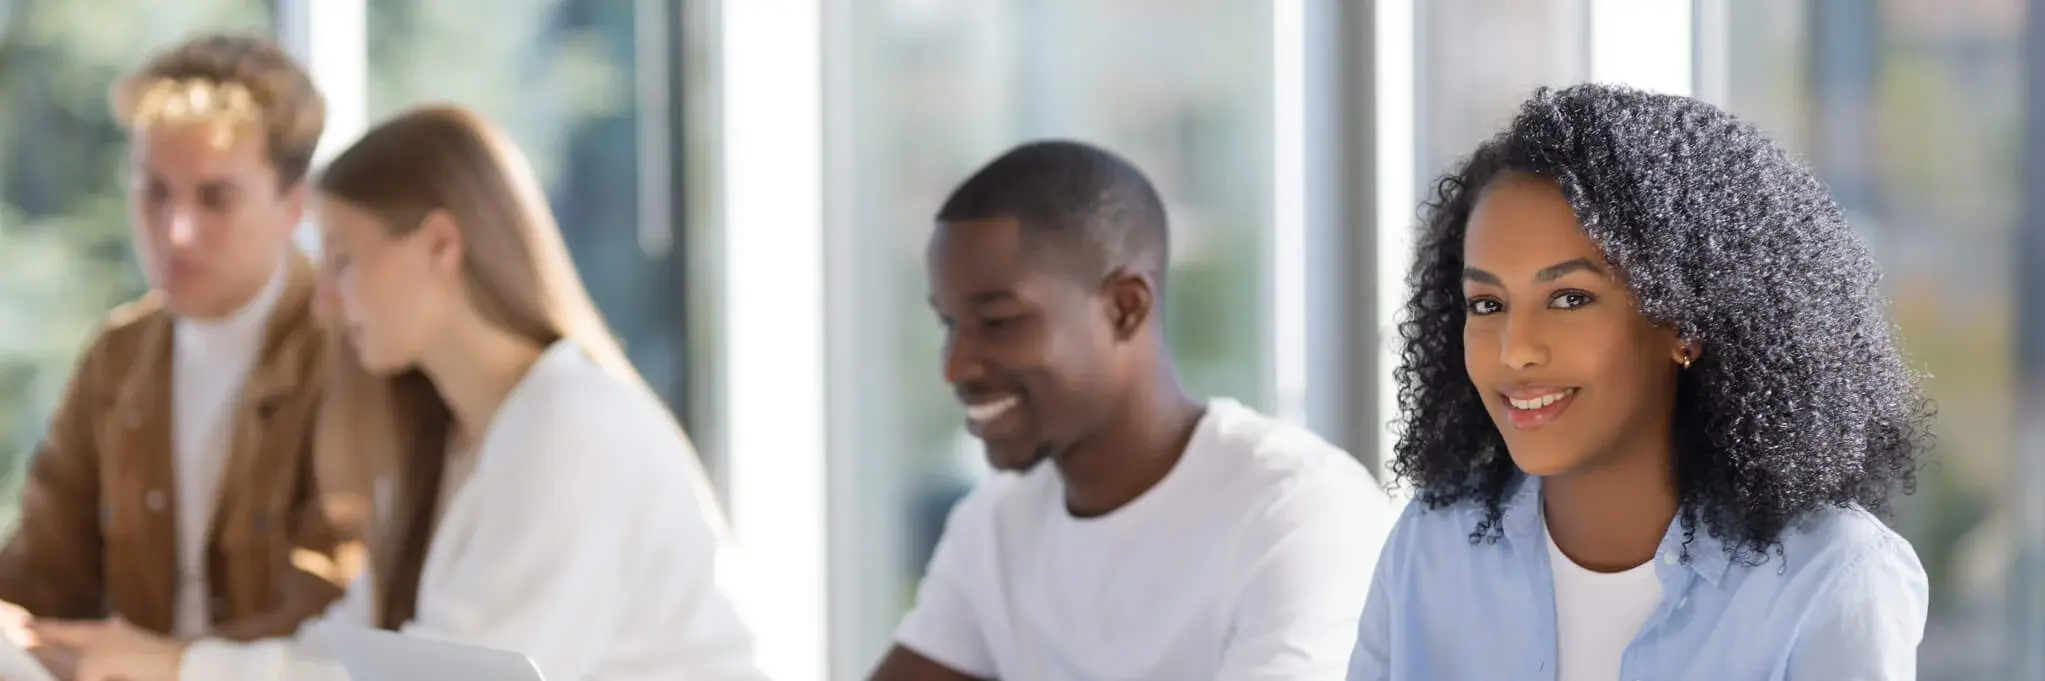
pixel 1650 402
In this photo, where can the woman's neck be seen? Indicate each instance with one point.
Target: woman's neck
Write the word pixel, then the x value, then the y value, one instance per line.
pixel 1612 516
pixel 474 370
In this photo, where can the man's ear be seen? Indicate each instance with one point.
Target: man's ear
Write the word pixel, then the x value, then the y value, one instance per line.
pixel 1131 298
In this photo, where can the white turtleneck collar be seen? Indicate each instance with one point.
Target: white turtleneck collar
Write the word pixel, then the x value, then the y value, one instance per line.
pixel 240 333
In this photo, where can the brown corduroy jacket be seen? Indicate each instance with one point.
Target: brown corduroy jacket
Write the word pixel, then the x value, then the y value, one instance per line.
pixel 98 530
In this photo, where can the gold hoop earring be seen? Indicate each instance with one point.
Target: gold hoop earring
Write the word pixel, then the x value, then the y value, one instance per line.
pixel 1684 360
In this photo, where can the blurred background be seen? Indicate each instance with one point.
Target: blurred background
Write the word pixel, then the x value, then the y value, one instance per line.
pixel 747 187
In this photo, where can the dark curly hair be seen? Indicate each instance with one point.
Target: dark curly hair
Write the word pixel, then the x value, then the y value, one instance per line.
pixel 1801 397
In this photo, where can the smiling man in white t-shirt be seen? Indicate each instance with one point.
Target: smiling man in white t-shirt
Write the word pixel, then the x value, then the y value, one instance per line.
pixel 1168 538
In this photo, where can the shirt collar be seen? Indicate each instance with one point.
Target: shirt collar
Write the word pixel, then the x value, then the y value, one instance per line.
pixel 1522 526
pixel 242 328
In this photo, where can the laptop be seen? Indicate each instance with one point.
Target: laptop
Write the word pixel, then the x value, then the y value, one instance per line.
pixel 379 655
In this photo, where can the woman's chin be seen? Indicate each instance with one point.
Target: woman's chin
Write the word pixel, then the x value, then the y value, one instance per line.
pixel 1543 464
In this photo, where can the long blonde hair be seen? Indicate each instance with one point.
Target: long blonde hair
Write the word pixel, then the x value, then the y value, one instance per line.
pixel 517 273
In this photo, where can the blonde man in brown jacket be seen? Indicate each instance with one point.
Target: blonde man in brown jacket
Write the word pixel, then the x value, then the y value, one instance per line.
pixel 175 488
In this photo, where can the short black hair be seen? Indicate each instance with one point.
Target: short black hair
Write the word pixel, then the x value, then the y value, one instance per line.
pixel 1104 213
pixel 1800 399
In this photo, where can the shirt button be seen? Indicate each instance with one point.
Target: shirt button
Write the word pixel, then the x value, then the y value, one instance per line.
pixel 1669 557
pixel 155 500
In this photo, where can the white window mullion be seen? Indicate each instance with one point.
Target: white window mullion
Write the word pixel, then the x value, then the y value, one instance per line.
pixel 1286 245
pixel 336 54
pixel 1644 43
pixel 771 72
pixel 1396 146
pixel 1711 32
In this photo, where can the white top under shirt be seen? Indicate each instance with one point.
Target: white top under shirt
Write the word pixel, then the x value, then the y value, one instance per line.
pixel 211 359
pixel 1251 559
pixel 585 537
pixel 1597 614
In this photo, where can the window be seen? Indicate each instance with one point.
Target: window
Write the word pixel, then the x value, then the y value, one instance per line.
pixel 1914 111
pixel 64 254
pixel 1180 87
pixel 580 85
pixel 1478 60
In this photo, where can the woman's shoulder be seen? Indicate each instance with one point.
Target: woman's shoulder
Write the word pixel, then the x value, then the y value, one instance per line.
pixel 1425 529
pixel 571 406
pixel 1419 517
pixel 1459 531
pixel 1844 538
pixel 567 379
pixel 1843 576
pixel 1434 515
pixel 581 397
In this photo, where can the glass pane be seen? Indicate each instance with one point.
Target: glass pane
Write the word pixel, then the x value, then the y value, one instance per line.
pixel 563 77
pixel 1181 87
pixel 1912 110
pixel 64 257
pixel 1478 59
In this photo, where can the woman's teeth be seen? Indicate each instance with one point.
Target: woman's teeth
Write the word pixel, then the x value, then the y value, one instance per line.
pixel 1541 401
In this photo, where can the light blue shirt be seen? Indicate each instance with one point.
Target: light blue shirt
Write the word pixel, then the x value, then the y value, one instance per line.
pixel 1844 600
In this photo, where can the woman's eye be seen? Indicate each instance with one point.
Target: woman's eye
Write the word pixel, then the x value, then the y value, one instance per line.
pixel 1570 300
pixel 1483 306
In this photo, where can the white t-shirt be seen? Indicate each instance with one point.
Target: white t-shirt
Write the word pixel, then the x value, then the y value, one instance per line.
pixel 1251 559
pixel 1598 614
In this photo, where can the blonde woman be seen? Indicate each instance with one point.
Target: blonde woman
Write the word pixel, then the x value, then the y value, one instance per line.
pixel 545 502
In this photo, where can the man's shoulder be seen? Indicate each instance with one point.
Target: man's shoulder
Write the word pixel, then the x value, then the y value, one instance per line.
pixel 1272 454
pixel 135 317
pixel 1282 479
pixel 141 311
pixel 125 328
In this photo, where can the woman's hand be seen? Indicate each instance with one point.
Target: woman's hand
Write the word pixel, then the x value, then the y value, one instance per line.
pixel 114 650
